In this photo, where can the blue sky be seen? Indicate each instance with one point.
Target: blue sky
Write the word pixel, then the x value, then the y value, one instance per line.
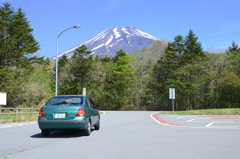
pixel 216 23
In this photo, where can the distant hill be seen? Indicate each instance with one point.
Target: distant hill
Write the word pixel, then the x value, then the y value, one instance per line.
pixel 111 40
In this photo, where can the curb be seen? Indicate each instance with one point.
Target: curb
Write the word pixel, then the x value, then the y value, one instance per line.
pixel 159 120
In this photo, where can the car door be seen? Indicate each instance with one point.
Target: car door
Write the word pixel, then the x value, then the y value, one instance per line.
pixel 96 112
pixel 93 115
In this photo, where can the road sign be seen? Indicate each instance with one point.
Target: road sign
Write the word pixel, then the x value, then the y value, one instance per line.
pixel 171 93
pixel 172 96
pixel 3 98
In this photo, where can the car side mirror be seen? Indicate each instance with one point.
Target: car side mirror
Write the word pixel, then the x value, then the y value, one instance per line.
pixel 98 106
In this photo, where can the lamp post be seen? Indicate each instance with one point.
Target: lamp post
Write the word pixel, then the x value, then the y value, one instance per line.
pixel 77 27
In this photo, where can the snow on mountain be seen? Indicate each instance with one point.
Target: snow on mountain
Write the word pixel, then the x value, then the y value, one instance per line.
pixel 111 40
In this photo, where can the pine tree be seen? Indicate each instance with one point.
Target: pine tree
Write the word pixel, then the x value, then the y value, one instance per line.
pixel 192 50
pixel 6 13
pixel 97 58
pixel 120 80
pixel 233 49
pixel 105 59
pixel 120 53
pixel 164 70
pixel 21 34
pixel 81 64
pixel 62 62
pixel 16 39
pixel 178 46
pixel 122 73
pixel 16 44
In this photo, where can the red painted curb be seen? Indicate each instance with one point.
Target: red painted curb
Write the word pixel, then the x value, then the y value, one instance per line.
pixel 162 121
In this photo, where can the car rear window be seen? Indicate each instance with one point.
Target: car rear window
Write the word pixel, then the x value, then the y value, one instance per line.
pixel 65 101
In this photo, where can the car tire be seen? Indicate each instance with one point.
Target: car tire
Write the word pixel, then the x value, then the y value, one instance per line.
pixel 45 132
pixel 97 126
pixel 87 131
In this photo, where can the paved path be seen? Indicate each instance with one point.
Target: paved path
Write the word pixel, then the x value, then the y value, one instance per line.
pixel 127 135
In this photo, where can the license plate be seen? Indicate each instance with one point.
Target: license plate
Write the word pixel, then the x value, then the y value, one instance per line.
pixel 60 115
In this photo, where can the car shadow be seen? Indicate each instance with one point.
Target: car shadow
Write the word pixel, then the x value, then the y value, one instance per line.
pixel 62 134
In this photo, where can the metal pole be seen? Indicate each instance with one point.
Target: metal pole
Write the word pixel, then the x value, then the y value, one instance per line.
pixel 173 104
pixel 56 69
pixel 76 26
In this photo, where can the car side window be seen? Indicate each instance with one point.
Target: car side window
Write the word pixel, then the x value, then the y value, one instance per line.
pixel 90 104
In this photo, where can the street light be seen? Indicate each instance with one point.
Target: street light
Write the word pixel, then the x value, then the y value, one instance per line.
pixel 77 27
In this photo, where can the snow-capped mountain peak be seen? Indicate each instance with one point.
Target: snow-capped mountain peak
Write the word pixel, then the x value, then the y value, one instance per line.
pixel 111 40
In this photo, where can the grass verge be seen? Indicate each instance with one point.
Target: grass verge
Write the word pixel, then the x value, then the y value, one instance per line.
pixel 232 111
pixel 20 118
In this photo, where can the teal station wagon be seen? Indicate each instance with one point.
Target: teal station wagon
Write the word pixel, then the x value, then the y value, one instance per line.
pixel 69 112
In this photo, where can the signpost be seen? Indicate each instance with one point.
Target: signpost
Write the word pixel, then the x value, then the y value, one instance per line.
pixel 3 98
pixel 172 96
pixel 84 92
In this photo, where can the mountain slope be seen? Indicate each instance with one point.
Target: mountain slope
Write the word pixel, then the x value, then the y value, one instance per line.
pixel 111 40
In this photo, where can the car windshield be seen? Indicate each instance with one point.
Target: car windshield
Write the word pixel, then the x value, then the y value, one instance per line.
pixel 65 101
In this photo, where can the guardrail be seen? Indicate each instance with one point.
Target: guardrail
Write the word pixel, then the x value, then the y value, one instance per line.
pixel 17 111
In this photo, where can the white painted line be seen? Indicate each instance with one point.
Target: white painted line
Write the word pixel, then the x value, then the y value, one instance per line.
pixel 180 117
pixel 162 123
pixel 18 124
pixel 156 119
pixel 205 119
pixel 103 113
pixel 225 127
pixel 198 127
pixel 209 124
pixel 216 122
pixel 32 123
pixel 185 116
pixel 5 127
pixel 191 120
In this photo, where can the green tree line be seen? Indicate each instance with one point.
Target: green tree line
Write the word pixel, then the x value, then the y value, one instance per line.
pixel 23 75
pixel 138 81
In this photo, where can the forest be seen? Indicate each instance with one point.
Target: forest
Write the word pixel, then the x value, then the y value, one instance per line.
pixel 137 81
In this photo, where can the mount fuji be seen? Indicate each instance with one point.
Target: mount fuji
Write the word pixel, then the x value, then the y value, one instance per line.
pixel 111 40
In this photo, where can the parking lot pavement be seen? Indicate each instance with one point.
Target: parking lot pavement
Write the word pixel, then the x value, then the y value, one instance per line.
pixel 198 121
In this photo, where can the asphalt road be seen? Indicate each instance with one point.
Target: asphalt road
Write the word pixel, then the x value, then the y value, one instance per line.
pixel 127 135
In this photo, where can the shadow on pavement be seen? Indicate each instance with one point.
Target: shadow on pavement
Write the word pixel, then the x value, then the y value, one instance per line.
pixel 61 134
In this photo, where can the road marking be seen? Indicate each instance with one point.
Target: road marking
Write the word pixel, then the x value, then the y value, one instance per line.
pixel 214 121
pixel 191 120
pixel 103 113
pixel 5 127
pixel 15 125
pixel 180 117
pixel 161 121
pixel 209 124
